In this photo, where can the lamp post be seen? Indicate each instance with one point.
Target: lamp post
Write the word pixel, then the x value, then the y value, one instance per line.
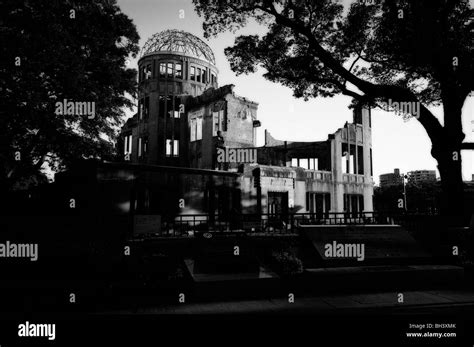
pixel 404 177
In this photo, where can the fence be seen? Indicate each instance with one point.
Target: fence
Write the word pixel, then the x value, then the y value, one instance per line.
pixel 190 225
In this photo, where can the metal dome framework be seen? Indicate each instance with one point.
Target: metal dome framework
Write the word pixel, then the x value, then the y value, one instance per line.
pixel 178 41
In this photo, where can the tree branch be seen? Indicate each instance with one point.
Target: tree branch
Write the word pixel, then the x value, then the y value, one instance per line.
pixel 372 91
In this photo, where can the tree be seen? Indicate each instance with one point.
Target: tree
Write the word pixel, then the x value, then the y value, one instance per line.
pixel 71 52
pixel 421 197
pixel 393 51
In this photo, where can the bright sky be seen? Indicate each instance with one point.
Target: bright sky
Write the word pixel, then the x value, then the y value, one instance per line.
pixel 395 143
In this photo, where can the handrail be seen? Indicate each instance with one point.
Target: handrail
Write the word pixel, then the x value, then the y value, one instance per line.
pixel 273 223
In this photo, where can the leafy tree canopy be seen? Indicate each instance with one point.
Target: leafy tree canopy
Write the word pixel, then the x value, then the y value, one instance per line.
pixel 52 51
pixel 389 51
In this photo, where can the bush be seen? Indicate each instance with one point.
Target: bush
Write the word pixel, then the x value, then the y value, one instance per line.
pixel 177 275
pixel 287 263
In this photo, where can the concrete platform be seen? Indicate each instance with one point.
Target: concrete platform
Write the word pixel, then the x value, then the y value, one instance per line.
pixel 382 244
pixel 398 277
pixel 434 301
pixel 217 277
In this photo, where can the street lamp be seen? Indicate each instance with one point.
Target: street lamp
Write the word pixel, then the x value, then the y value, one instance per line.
pixel 404 177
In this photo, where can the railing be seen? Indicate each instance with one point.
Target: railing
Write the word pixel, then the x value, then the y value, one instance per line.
pixel 335 218
pixel 352 178
pixel 319 175
pixel 191 225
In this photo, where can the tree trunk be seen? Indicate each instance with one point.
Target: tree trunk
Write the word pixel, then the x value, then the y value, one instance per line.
pixel 452 186
pixel 447 151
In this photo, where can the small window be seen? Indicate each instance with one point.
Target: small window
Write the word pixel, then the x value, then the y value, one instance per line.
pixel 344 164
pixel 169 148
pixel 218 122
pixel 215 123
pixel 196 129
pixel 175 148
pixel 172 148
pixel 313 163
pixel 178 73
pixel 203 75
pixel 128 144
pixel 170 70
pixel 199 128
pixel 304 163
pixel 147 71
pixel 139 147
pixel 193 129
pixel 173 114
pixel 162 70
pixel 193 73
pixel 294 162
pixel 198 75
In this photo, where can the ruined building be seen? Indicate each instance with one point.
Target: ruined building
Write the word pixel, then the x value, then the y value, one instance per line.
pixel 185 119
pixel 177 90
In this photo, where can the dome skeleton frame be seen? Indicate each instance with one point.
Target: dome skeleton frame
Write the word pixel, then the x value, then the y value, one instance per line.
pixel 178 41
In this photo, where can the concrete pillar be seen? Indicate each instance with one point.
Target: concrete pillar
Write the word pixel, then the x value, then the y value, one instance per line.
pixel 337 202
pixel 367 145
pixel 356 154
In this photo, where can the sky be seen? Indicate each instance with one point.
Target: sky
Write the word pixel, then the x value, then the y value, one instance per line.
pixel 395 143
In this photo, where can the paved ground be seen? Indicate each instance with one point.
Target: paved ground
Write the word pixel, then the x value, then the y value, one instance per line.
pixel 442 301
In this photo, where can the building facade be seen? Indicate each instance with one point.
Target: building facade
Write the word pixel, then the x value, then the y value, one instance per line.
pixel 320 177
pixel 185 119
pixel 391 179
pixel 421 176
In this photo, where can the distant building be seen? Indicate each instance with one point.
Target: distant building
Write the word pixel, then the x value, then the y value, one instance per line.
pixel 391 179
pixel 421 176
